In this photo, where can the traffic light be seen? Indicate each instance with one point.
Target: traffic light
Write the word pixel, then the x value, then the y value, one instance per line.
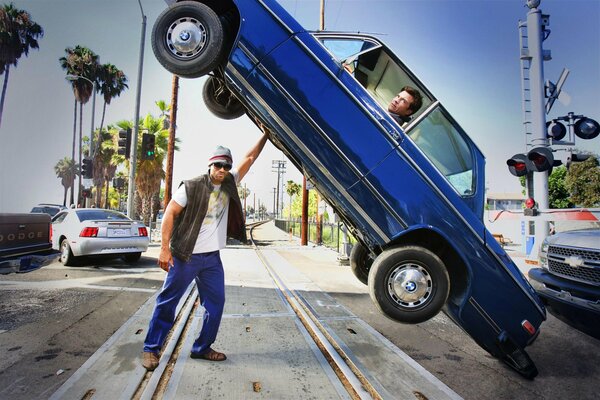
pixel 555 130
pixel 118 183
pixel 587 128
pixel 541 159
pixel 519 165
pixel 87 168
pixel 86 193
pixel 125 142
pixel 148 146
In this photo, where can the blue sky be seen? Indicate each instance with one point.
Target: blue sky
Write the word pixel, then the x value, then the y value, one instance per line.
pixel 465 51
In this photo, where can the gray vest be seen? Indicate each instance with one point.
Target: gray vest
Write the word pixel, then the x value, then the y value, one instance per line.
pixel 186 226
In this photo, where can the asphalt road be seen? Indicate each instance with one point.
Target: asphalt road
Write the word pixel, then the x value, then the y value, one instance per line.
pixel 54 319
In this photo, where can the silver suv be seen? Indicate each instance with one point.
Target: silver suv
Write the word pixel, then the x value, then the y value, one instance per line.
pixel 569 278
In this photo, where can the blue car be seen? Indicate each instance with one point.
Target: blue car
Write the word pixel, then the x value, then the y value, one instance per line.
pixel 410 189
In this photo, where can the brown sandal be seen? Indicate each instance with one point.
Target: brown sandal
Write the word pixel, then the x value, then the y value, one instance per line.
pixel 210 355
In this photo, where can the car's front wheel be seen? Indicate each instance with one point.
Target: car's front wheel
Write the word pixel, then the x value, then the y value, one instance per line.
pixel 220 100
pixel 132 257
pixel 188 39
pixel 409 284
pixel 66 255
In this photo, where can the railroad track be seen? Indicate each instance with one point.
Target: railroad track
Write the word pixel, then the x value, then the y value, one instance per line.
pixel 155 384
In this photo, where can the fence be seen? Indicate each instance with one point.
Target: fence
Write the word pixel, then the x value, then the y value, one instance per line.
pixel 331 234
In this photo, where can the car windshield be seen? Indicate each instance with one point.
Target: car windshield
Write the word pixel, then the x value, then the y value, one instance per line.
pixel 88 215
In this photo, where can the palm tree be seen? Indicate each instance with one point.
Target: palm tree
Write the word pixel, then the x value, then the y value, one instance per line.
pixel 113 82
pixel 292 188
pixel 18 34
pixel 80 61
pixel 66 169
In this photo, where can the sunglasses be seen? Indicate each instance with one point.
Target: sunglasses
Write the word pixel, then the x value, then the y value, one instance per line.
pixel 219 165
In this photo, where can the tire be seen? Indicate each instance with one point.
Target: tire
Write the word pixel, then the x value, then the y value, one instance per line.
pixel 132 257
pixel 66 255
pixel 360 262
pixel 188 39
pixel 220 100
pixel 409 284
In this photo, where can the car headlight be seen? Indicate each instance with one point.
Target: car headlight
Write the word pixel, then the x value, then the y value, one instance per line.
pixel 544 254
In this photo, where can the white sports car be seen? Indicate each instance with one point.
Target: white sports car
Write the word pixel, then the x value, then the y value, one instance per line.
pixel 95 231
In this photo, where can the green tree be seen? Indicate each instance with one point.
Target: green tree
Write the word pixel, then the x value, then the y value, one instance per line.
pixel 18 34
pixel 583 182
pixel 558 194
pixel 65 170
pixel 292 189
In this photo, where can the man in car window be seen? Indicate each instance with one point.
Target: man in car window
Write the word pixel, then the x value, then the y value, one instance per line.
pixel 405 104
pixel 204 211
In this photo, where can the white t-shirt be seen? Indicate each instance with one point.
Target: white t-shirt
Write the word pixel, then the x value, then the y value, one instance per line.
pixel 213 232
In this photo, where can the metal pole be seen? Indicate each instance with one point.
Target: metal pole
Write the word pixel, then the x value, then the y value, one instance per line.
pixel 92 148
pixel 538 116
pixel 136 118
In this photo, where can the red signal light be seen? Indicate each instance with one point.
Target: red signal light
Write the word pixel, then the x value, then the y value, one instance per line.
pixel 530 203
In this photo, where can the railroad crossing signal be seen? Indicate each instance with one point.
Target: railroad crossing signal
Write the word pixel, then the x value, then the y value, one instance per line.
pixel 125 142
pixel 148 140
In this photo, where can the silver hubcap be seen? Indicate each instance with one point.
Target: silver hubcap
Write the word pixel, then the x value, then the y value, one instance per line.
pixel 64 254
pixel 410 285
pixel 186 38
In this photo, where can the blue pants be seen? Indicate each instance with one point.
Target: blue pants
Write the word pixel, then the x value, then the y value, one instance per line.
pixel 207 270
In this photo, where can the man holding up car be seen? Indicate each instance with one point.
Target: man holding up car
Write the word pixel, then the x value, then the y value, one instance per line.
pixel 204 211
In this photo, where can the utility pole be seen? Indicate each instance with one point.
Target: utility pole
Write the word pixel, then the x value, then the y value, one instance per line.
pixel 171 146
pixel 274 194
pixel 279 167
pixel 136 119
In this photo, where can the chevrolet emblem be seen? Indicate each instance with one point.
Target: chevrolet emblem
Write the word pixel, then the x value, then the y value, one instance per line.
pixel 574 261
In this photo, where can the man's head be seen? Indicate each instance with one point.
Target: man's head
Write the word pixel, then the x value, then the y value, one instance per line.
pixel 220 164
pixel 406 103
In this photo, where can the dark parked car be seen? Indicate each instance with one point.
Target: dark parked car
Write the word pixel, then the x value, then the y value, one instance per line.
pixel 25 242
pixel 412 194
pixel 569 278
pixel 50 209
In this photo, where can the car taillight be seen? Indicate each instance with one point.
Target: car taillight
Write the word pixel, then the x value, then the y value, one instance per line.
pixel 143 231
pixel 50 234
pixel 528 326
pixel 89 232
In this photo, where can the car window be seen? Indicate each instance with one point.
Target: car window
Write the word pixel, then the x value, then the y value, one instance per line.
pixel 58 218
pixel 89 215
pixel 375 68
pixel 344 49
pixel 442 143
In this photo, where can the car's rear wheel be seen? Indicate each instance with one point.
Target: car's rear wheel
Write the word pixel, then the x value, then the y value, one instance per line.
pixel 188 39
pixel 132 257
pixel 360 262
pixel 409 284
pixel 66 255
pixel 220 100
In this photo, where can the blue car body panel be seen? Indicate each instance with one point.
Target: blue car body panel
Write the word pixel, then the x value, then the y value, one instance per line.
pixel 374 172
